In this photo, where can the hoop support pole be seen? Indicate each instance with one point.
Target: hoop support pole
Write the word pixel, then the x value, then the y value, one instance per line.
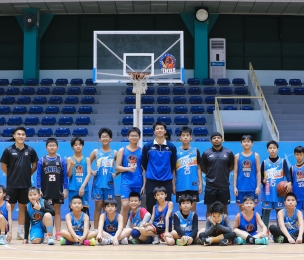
pixel 138 122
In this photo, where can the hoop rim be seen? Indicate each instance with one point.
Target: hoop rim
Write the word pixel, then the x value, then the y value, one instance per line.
pixel 138 75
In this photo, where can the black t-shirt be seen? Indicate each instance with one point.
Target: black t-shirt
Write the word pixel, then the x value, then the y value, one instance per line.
pixel 19 165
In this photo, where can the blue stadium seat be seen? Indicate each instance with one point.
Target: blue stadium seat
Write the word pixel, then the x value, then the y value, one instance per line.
pixel 52 110
pixel 46 82
pixel 223 81
pixel 85 110
pixel 58 91
pixel 35 110
pixel 2 91
pixel 298 91
pixel 76 82
pixel 61 82
pixel 244 101
pixel 210 91
pixel 284 91
pixel 124 130
pixel 193 81
pixel 197 109
pixel 82 120
pixel 195 100
pixel 179 91
pixel 89 91
pixel 43 91
pixel 295 82
pixel 45 132
pixel 71 100
pixel 68 110
pixel 127 120
pixel 39 100
pixel 179 100
pixel 48 120
pixel 12 91
pixel 210 109
pixel 129 109
pixel 31 82
pixel 147 100
pixel 163 100
pixel 24 100
pixel 198 120
pixel 246 108
pixel 4 82
pixel 80 131
pixel 87 100
pixel 169 130
pixel 62 132
pixel 208 82
pixel 5 110
pixel 230 108
pixel 28 91
pixel 89 82
pixel 18 110
pixel 129 91
pixel 148 131
pixel 163 110
pixel 8 100
pixel 163 91
pixel 74 91
pixel 238 82
pixel 280 82
pixel 181 120
pixel 227 100
pixel 180 110
pixel 30 131
pixel 210 100
pixel 200 131
pixel 15 120
pixel 225 91
pixel 8 132
pixel 55 100
pixel 165 119
pixel 150 91
pixel 31 120
pixel 17 82
pixel 124 140
pixel 2 120
pixel 130 100
pixel 194 91
pixel 241 91
pixel 202 140
pixel 148 120
pixel 148 109
pixel 177 131
pixel 65 120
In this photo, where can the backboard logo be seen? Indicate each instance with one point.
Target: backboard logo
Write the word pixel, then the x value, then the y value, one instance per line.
pixel 167 63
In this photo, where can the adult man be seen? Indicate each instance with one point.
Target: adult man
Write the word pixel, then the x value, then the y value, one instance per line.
pixel 158 160
pixel 217 163
pixel 19 162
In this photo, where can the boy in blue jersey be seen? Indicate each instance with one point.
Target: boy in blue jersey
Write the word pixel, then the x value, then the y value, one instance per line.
pixel 128 162
pixel 185 223
pixel 79 172
pixel 246 176
pixel 273 170
pixel 290 229
pixel 188 174
pixel 297 177
pixel 77 226
pixel 103 183
pixel 52 179
pixel 5 218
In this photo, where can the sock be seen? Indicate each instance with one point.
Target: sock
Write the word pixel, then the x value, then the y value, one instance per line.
pixel 20 228
pixel 266 216
pixel 49 230
pixel 217 239
pixel 250 239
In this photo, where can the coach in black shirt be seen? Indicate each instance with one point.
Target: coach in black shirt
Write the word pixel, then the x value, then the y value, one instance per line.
pixel 217 163
pixel 19 162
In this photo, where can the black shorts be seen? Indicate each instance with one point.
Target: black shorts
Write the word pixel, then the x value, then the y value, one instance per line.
pixel 19 195
pixel 159 231
pixel 212 195
pixel 54 201
pixel 193 193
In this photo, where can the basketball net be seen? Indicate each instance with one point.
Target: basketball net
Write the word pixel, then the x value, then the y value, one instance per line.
pixel 139 80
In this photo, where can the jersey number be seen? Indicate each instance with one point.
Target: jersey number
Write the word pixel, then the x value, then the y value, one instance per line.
pixel 301 184
pixel 52 177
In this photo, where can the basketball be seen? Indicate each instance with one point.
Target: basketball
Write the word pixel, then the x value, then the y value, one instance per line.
pixel 281 189
pixel 135 233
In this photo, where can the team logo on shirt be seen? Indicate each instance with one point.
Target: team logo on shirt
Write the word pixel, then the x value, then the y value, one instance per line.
pixel 111 228
pixel 37 216
pixel 300 176
pixel 79 170
pixel 246 168
pixel 132 160
pixel 26 153
pixel 249 227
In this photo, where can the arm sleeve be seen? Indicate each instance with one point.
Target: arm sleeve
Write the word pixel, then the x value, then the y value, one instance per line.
pixel 177 227
pixel 144 159
pixel 231 159
pixel 173 158
pixel 146 218
pixel 64 174
pixel 194 226
pixel 198 157
pixel 48 208
pixel 286 171
pixel 34 157
pixel 262 173
pixel 26 225
pixel 210 228
pixel 5 156
pixel 204 161
pixel 38 176
pixel 225 229
pixel 290 172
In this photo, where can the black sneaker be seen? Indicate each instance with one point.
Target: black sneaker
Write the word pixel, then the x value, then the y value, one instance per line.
pixel 224 242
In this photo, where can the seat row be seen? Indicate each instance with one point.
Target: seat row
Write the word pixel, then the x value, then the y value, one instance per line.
pixel 7 100
pixel 292 82
pixel 220 81
pixel 4 110
pixel 178 120
pixel 46 82
pixel 288 91
pixel 148 140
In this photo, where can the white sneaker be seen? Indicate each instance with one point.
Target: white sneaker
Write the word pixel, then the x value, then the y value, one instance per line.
pixel 124 241
pixel 51 241
pixel 2 239
pixel 105 241
pixel 20 236
pixel 155 240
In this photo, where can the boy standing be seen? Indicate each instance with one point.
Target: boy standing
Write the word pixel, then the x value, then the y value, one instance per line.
pixel 188 170
pixel 52 179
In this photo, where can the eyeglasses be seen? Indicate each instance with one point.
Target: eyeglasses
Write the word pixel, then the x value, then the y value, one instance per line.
pixel 104 137
pixel 51 145
pixel 134 136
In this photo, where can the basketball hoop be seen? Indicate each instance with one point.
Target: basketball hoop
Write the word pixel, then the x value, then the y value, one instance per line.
pixel 139 80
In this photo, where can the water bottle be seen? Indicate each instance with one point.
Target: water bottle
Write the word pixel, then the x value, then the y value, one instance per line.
pixel 267 188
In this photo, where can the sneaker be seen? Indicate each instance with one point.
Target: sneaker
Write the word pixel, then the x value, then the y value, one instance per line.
pixel 279 239
pixel 155 240
pixel 134 241
pixel 124 241
pixel 2 239
pixel 50 241
pixel 181 242
pixel 206 241
pixel 197 241
pixel 20 235
pixel 105 241
pixel 261 241
pixel 224 242
pixel 58 236
pixel 239 241
pixel 45 238
pixel 64 241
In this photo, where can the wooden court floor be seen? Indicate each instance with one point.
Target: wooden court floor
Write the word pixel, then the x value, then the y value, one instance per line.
pixel 17 250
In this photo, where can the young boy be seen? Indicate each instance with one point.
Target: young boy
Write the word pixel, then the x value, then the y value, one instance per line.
pixel 5 218
pixel 297 177
pixel 247 176
pixel 188 171
pixel 103 184
pixel 78 226
pixel 51 176
pixel 273 170
pixel 218 229
pixel 110 225
pixel 290 229
pixel 185 223
pixel 79 172
pixel 128 162
pixel 161 221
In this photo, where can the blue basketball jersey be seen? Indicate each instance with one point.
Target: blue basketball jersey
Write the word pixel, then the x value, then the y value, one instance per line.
pixel 186 169
pixel 35 215
pixel 111 227
pixel 105 166
pixel 291 222
pixel 137 218
pixel 79 173
pixel 160 217
pixel 3 211
pixel 298 181
pixel 246 176
pixel 185 223
pixel 248 225
pixel 273 173
pixel 77 225
pixel 134 179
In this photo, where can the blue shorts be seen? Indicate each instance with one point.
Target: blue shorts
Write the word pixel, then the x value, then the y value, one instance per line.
pixel 37 232
pixel 99 194
pixel 272 205
pixel 300 205
pixel 148 241
pixel 126 190
pixel 240 197
pixel 85 197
